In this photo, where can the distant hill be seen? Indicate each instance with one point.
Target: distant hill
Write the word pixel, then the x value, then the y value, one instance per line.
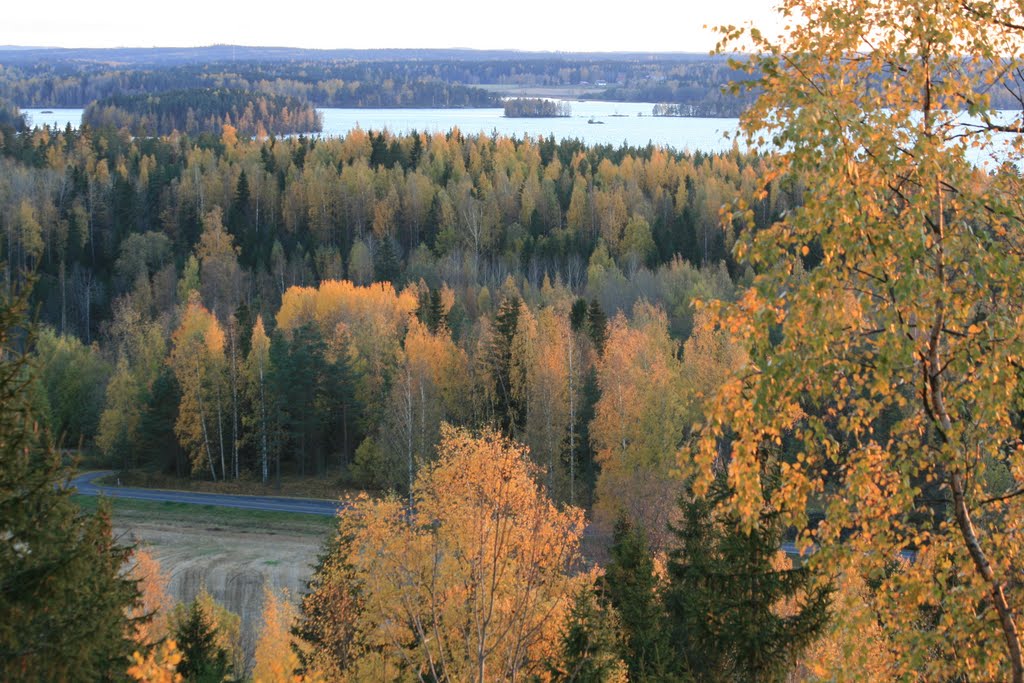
pixel 171 56
pixel 417 78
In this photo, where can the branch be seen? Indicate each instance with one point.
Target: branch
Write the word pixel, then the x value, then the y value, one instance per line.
pixel 1005 496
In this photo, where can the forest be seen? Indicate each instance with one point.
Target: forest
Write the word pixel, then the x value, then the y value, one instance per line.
pixel 470 245
pixel 611 414
pixel 203 111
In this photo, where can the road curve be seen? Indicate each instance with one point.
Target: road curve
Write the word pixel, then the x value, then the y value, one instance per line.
pixel 87 486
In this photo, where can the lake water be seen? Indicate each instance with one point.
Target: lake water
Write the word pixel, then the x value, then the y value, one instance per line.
pixel 630 123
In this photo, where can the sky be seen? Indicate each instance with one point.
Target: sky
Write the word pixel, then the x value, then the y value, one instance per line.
pixel 544 25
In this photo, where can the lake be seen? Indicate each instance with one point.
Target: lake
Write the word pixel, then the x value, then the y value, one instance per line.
pixel 621 122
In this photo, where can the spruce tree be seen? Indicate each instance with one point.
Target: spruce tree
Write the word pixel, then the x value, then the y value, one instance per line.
pixel 578 315
pixel 592 642
pixel 386 267
pixel 597 326
pixel 202 658
pixel 436 318
pixel 725 590
pixel 325 633
pixel 506 322
pixel 632 588
pixel 63 594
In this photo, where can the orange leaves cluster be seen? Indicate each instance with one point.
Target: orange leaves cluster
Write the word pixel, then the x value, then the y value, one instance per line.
pixel 276 662
pixel 475 581
pixel 159 666
pixel 197 358
pixel 156 603
pixel 638 424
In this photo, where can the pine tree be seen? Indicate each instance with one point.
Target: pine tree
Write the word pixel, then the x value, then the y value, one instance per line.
pixel 725 590
pixel 63 594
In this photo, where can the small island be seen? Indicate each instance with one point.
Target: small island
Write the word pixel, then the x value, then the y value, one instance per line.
pixel 536 108
pixel 671 110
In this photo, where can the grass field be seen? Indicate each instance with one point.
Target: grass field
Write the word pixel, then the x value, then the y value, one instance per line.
pixel 211 517
pixel 325 488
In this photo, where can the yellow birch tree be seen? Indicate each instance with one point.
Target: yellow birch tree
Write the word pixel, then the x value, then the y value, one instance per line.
pixel 885 324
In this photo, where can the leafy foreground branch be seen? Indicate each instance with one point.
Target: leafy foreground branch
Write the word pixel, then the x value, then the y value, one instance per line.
pixel 890 369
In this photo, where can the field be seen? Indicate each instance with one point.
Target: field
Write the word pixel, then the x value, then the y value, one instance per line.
pixel 234 553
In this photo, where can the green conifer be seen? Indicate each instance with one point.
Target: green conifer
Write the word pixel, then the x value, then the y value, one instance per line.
pixel 63 593
pixel 725 590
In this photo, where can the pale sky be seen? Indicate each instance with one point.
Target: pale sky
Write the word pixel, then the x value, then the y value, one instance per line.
pixel 594 25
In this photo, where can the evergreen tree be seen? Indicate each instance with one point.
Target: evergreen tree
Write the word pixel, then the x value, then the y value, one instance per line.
pixel 238 221
pixel 297 381
pixel 386 267
pixel 632 589
pixel 157 440
pixel 725 588
pixel 578 315
pixel 340 407
pixel 326 638
pixel 63 594
pixel 597 325
pixel 591 643
pixel 506 322
pixel 202 658
pixel 430 311
pixel 417 150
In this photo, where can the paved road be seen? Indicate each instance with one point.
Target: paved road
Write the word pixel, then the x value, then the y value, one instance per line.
pixel 85 483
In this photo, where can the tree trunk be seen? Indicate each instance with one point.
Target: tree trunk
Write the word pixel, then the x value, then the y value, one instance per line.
pixel 202 419
pixel 263 425
pixel 234 394
pixel 572 422
pixel 937 407
pixel 220 434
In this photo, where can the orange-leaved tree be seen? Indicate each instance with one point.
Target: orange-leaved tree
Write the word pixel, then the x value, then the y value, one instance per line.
pixel 638 423
pixel 473 583
pixel 884 324
pixel 197 357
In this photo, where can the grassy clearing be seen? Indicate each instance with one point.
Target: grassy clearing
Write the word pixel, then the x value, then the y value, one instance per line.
pixel 211 517
pixel 326 488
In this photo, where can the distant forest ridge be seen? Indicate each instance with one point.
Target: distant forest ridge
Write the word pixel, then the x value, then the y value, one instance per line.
pixel 151 56
pixel 691 84
pixel 372 79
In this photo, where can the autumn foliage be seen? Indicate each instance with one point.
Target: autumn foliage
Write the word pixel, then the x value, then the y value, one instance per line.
pixel 472 583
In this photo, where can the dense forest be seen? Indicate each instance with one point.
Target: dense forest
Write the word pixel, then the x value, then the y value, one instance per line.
pixel 203 111
pixel 390 312
pixel 613 413
pixel 11 119
pixel 485 250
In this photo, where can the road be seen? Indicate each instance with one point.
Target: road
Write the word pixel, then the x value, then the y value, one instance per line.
pixel 87 486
